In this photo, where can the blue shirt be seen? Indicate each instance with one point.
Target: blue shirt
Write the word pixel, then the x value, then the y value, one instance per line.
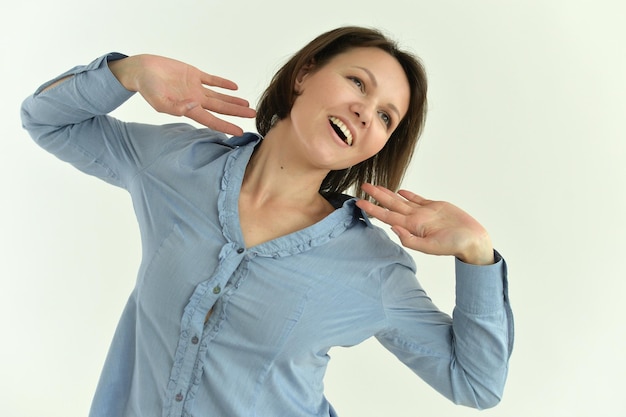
pixel 277 308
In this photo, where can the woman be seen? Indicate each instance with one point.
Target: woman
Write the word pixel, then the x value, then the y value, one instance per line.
pixel 254 262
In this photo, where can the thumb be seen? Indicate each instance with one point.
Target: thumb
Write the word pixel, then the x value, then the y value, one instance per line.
pixel 404 235
pixel 182 108
pixel 187 106
pixel 410 240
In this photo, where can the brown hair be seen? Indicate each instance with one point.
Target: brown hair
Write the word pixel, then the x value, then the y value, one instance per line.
pixel 388 166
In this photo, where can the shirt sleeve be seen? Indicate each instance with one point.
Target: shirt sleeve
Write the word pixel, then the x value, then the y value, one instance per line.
pixel 465 357
pixel 71 121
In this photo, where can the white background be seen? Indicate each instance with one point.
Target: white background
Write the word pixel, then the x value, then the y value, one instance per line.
pixel 526 131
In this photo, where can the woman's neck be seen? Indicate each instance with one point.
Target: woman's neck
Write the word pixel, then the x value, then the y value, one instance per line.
pixel 276 174
pixel 278 196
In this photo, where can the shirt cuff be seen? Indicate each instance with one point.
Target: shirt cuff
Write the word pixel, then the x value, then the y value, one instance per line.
pixel 481 289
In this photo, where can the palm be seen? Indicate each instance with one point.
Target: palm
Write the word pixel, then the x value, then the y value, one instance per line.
pixel 179 89
pixel 433 227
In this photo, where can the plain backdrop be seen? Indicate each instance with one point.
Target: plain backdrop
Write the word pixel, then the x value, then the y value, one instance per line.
pixel 526 131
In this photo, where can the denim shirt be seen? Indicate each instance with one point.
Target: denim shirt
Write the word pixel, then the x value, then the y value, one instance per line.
pixel 276 308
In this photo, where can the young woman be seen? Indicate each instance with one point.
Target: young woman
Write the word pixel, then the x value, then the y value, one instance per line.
pixel 254 262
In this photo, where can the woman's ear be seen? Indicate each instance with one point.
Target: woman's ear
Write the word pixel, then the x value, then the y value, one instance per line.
pixel 303 73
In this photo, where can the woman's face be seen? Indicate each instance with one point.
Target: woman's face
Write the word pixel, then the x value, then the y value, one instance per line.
pixel 348 108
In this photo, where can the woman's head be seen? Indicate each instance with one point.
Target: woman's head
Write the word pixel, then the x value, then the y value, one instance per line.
pixel 388 166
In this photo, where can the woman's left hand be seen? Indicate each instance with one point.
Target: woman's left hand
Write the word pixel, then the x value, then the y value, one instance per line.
pixel 432 227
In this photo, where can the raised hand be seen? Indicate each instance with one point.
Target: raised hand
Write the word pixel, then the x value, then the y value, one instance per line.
pixel 433 227
pixel 179 89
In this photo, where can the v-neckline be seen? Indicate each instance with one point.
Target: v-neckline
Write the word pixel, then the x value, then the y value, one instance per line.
pixel 330 226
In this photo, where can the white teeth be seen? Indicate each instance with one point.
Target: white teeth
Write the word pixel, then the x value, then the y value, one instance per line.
pixel 344 129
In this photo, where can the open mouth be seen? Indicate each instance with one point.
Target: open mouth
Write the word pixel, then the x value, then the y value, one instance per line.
pixel 341 129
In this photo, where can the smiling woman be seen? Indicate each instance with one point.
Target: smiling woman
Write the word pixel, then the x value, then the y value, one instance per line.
pixel 361 104
pixel 386 167
pixel 255 264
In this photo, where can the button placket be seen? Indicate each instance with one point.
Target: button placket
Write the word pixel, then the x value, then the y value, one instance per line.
pixel 189 364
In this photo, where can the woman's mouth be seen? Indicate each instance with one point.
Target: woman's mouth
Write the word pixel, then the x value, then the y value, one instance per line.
pixel 341 129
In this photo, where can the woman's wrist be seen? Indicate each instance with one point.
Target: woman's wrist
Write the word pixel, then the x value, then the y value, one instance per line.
pixel 478 253
pixel 126 71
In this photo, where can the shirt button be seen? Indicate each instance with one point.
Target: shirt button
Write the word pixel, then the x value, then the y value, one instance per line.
pixel 216 289
pixel 240 250
pixel 179 397
pixel 195 340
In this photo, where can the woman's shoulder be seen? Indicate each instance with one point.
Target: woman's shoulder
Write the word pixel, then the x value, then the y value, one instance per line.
pixel 372 245
pixel 190 140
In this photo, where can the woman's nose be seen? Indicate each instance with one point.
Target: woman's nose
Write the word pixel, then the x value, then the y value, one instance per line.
pixel 362 114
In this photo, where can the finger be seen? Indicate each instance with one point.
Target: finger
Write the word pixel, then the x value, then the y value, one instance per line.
pixel 387 198
pixel 175 108
pixel 411 196
pixel 414 242
pixel 215 81
pixel 226 108
pixel 226 98
pixel 406 238
pixel 207 119
pixel 384 215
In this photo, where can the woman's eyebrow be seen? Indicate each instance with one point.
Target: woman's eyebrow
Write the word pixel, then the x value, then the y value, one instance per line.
pixel 370 74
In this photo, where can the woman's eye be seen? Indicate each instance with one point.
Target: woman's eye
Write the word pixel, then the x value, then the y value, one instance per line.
pixel 385 118
pixel 357 82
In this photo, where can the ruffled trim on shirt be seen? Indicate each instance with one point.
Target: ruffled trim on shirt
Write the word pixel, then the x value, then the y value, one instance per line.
pixel 333 225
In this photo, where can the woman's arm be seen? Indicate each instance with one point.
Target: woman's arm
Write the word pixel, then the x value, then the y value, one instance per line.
pixel 68 116
pixel 464 357
pixel 176 88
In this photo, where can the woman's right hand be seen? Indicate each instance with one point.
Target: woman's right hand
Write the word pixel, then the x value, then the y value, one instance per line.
pixel 179 89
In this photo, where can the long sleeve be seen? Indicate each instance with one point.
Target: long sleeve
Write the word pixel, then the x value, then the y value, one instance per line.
pixel 70 121
pixel 465 357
